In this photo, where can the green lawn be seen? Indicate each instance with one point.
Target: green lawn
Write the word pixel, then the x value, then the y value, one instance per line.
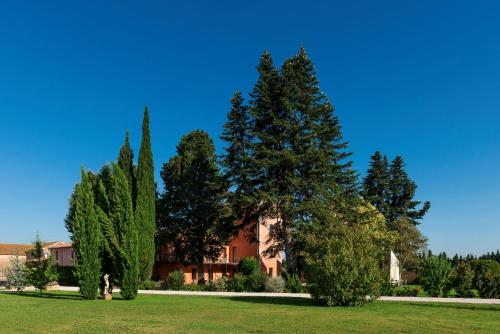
pixel 67 313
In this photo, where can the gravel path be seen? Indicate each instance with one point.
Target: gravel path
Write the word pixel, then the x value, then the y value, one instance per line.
pixel 299 295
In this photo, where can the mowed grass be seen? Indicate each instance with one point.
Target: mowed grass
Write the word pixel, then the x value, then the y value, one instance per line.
pixel 67 313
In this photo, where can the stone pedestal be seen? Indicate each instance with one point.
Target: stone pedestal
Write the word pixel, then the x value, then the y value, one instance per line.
pixel 108 296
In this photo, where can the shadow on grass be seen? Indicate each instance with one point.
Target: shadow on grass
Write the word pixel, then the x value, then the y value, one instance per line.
pixel 277 301
pixel 54 295
pixel 473 307
pixel 47 295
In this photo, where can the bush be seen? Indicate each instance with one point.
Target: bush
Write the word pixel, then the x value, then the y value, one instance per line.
pixel 275 284
pixel 486 278
pixel 407 290
pixel 238 283
pixel 293 283
pixel 220 284
pixel 196 287
pixel 248 266
pixel 176 280
pixel 147 285
pixel 463 277
pixel 342 260
pixel 256 281
pixel 436 275
pixel 66 276
pixel 474 293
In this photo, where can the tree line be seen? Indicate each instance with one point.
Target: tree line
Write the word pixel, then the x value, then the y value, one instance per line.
pixel 284 159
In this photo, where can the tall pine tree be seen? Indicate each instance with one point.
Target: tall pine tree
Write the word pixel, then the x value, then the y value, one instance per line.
pixel 236 158
pixel 391 191
pixel 194 215
pixel 296 154
pixel 145 208
pixel 376 183
pixel 86 239
pixel 402 191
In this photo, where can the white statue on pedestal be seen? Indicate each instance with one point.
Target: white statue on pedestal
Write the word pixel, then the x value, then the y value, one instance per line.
pixel 106 284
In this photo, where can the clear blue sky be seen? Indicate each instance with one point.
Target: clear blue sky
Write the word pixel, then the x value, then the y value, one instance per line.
pixel 420 79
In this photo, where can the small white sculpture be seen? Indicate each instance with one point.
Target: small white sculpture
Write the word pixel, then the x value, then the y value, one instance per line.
pixel 106 284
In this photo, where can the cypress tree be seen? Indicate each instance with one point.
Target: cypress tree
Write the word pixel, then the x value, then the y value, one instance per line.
pixel 402 190
pixel 145 212
pixel 236 158
pixel 121 216
pixel 194 216
pixel 126 162
pixel 376 183
pixel 86 239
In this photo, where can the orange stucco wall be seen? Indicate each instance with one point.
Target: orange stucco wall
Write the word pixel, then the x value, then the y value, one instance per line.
pixel 238 248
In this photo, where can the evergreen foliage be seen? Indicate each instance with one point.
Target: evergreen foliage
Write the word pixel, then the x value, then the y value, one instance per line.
pixel 402 190
pixel 122 218
pixel 391 191
pixel 292 151
pixel 16 278
pixel 145 207
pixel 193 214
pixel 236 161
pixel 126 162
pixel 39 271
pixel 86 239
pixel 376 183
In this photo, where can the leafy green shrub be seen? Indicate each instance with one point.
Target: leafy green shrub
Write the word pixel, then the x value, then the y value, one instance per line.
pixel 342 260
pixel 256 281
pixel 147 285
pixel 387 287
pixel 293 284
pixel 463 277
pixel 486 278
pixel 220 284
pixel 196 287
pixel 436 275
pixel 407 290
pixel 248 266
pixel 176 280
pixel 238 283
pixel 275 284
pixel 474 293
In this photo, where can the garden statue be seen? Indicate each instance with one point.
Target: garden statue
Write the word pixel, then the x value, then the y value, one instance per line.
pixel 106 294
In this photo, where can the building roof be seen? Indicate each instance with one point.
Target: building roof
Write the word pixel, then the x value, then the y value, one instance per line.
pixel 59 244
pixel 13 249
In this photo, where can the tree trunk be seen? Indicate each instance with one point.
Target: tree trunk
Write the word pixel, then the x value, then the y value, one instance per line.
pixel 201 272
pixel 291 255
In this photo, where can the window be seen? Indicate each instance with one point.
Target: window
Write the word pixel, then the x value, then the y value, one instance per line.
pixel 193 274
pixel 57 254
pixel 72 254
pixel 271 272
pixel 235 259
pixel 224 253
